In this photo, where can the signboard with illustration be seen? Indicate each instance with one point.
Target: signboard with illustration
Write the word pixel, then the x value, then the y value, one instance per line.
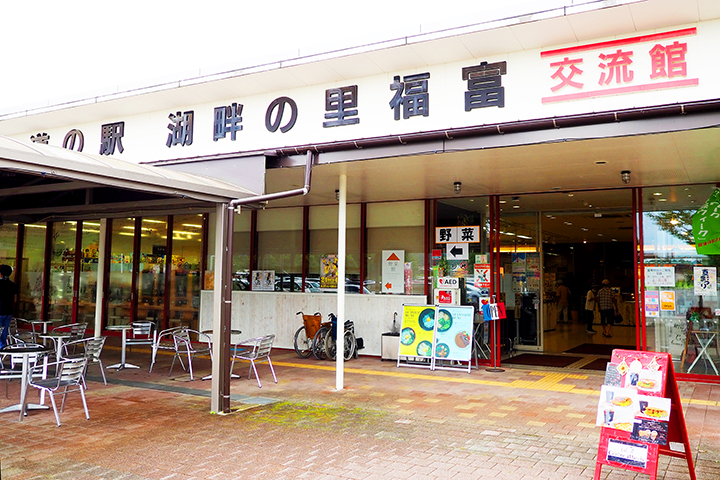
pixel 705 281
pixel 453 334
pixel 431 335
pixel 417 332
pixel 640 413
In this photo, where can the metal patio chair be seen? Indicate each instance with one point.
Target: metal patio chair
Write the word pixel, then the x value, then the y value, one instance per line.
pixel 90 348
pixel 254 350
pixel 143 333
pixel 164 341
pixel 69 378
pixel 191 343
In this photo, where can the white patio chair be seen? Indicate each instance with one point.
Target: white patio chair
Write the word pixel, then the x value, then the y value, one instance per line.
pixel 142 333
pixel 164 341
pixel 184 345
pixel 69 378
pixel 254 350
pixel 90 348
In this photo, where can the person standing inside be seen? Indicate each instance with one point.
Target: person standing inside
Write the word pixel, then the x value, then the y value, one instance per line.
pixel 607 303
pixel 8 291
pixel 563 302
pixel 590 307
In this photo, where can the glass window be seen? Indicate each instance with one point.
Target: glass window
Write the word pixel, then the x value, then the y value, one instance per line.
pixel 280 246
pixel 209 280
pixel 33 260
pixel 8 244
pixel 323 224
pixel 396 226
pixel 185 271
pixel 120 275
pixel 151 269
pixel 87 292
pixel 242 225
pixel 681 310
pixel 62 271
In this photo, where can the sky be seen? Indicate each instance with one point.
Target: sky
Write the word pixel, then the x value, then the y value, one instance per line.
pixel 55 51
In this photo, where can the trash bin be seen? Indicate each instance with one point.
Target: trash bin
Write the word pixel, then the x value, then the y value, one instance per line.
pixel 390 343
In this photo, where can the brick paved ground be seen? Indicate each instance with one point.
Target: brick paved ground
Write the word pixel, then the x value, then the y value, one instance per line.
pixel 388 423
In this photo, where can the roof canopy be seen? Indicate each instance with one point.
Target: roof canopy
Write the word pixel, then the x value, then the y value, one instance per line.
pixel 40 182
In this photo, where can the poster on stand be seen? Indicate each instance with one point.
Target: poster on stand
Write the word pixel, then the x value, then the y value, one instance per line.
pixel 453 335
pixel 417 332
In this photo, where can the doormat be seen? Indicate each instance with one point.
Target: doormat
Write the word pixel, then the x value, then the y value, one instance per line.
pixel 598 349
pixel 597 364
pixel 541 360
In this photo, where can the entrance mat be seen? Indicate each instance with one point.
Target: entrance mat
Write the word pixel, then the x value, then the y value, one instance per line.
pixel 598 349
pixel 597 364
pixel 541 360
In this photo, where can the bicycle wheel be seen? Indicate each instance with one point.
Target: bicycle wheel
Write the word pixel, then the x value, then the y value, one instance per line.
pixel 318 345
pixel 350 344
pixel 303 345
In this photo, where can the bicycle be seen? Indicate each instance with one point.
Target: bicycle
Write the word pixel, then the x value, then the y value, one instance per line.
pixel 350 349
pixel 305 335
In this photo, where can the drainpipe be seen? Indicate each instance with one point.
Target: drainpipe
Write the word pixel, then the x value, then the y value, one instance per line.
pixel 220 388
pixel 288 193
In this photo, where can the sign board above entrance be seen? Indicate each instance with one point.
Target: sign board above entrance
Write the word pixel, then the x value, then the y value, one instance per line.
pixel 464 234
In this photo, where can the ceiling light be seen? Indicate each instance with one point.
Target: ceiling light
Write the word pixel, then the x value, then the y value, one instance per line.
pixel 516 206
pixel 457 186
pixel 584 229
pixel 337 195
pixel 571 194
pixel 600 162
pixel 662 199
pixel 657 194
pixel 568 223
pixel 625 176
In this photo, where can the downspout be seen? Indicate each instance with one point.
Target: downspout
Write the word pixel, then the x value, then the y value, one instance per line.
pixel 288 193
pixel 220 389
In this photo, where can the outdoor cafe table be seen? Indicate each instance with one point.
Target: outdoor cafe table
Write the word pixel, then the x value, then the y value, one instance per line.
pixel 26 353
pixel 57 337
pixel 705 338
pixel 124 329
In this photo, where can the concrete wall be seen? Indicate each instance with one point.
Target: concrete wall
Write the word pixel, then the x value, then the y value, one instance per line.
pixel 261 313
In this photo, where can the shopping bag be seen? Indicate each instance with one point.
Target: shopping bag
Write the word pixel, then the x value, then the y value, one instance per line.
pixel 706 225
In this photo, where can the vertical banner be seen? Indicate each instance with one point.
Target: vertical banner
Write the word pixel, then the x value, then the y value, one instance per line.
pixel 393 271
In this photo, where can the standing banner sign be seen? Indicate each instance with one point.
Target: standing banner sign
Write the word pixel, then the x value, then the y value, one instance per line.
pixel 453 336
pixel 416 335
pixel 640 414
pixel 430 335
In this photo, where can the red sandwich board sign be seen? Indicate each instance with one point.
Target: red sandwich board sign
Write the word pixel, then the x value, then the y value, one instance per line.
pixel 640 414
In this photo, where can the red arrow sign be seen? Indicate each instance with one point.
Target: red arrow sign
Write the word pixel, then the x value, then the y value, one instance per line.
pixel 388 286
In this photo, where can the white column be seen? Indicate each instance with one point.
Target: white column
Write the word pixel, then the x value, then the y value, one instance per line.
pixel 100 287
pixel 342 234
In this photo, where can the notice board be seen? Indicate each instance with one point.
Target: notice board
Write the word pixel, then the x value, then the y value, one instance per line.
pixel 640 413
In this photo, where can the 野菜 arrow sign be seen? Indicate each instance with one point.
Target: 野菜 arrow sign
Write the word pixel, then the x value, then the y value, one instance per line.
pixel 457 251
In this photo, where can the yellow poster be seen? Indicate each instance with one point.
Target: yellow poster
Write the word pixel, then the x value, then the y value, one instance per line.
pixel 416 335
pixel 667 300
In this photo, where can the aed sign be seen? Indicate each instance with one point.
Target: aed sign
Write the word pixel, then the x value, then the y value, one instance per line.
pixel 448 282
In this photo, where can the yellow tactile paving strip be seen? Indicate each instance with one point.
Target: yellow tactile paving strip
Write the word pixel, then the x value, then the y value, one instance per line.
pixel 548 381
